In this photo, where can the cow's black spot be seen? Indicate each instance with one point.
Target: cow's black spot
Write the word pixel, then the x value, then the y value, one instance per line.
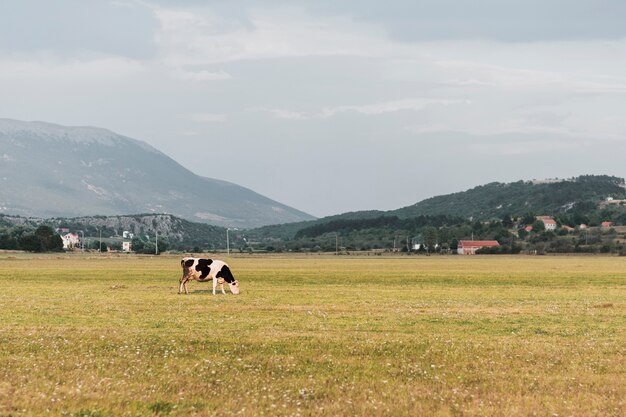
pixel 226 274
pixel 189 263
pixel 203 267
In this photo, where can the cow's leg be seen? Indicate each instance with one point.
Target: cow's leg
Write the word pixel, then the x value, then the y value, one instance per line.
pixel 183 286
pixel 214 284
pixel 222 287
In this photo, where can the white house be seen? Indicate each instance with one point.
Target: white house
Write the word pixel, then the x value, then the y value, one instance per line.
pixel 70 241
pixel 126 246
pixel 548 222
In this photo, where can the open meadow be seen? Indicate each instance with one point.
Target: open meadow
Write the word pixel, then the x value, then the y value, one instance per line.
pixel 313 336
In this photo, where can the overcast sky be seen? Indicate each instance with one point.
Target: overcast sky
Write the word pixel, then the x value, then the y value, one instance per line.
pixel 333 106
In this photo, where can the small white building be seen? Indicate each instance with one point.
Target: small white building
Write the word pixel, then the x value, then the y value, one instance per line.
pixel 70 241
pixel 127 246
pixel 549 224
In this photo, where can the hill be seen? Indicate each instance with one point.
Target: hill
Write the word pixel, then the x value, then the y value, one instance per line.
pixel 491 211
pixel 178 234
pixel 49 170
pixel 497 199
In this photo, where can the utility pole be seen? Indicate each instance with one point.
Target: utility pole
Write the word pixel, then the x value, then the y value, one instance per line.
pixel 228 239
pixel 336 244
pixel 156 241
pixel 100 241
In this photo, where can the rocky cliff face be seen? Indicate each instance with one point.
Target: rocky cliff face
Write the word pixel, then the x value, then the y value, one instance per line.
pixel 48 170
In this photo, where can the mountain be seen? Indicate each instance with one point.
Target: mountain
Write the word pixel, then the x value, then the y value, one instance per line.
pixel 583 195
pixel 518 198
pixel 47 170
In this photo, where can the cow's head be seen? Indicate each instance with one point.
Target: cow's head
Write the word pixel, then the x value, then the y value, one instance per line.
pixel 234 287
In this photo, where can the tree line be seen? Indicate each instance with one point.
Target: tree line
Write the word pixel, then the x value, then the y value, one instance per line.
pixel 40 239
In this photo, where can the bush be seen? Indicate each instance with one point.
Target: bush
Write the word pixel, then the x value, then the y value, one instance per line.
pixel 499 250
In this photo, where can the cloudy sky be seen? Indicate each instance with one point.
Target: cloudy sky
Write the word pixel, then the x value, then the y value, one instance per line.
pixel 333 106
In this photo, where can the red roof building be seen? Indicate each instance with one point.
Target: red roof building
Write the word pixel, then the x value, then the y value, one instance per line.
pixel 549 224
pixel 607 224
pixel 469 247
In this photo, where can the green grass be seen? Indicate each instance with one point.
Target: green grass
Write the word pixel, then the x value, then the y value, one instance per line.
pixel 314 335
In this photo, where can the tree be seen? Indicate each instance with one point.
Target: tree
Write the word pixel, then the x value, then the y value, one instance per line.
pixel 148 247
pixel 7 241
pixel 507 221
pixel 50 241
pixel 538 226
pixel 430 238
pixel 30 243
pixel 44 239
pixel 527 218
pixel 95 245
pixel 163 244
pixel 137 245
pixel 115 246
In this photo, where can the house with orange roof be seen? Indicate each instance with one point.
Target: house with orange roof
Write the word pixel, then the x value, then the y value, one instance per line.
pixel 548 222
pixel 469 247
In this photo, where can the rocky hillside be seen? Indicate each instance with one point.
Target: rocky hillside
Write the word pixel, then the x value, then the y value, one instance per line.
pixel 181 234
pixel 48 170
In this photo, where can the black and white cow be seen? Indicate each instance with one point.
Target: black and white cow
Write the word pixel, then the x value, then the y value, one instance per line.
pixel 203 270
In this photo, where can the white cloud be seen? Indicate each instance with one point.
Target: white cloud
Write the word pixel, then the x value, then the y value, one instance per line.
pixel 288 114
pixel 203 38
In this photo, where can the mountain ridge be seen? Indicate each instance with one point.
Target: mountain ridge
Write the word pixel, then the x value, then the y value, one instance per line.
pixel 48 170
pixel 484 202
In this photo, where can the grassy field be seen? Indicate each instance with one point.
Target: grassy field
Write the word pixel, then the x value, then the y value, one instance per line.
pixel 313 336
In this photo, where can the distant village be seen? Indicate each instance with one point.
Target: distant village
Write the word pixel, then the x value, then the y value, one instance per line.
pixel 470 247
pixel 72 241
